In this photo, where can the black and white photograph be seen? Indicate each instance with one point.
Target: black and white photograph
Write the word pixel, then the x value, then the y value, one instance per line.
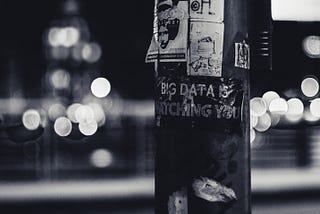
pixel 160 107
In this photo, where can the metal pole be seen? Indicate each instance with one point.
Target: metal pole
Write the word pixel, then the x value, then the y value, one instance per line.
pixel 202 59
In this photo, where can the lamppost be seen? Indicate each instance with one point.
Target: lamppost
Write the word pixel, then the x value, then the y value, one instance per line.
pixel 202 57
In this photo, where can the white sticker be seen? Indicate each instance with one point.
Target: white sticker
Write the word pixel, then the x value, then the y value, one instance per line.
pixel 212 191
pixel 208 10
pixel 242 55
pixel 206 49
pixel 178 202
pixel 169 43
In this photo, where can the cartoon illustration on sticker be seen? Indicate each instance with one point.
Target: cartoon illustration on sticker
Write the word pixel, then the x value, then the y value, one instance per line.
pixel 242 55
pixel 168 22
pixel 164 5
pixel 213 191
pixel 206 49
pixel 169 42
pixel 207 10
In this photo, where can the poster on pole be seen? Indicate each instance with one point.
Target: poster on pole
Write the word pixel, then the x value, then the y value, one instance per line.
pixel 169 43
pixel 206 49
pixel 208 10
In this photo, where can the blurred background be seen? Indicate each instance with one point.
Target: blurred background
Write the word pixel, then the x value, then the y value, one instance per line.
pixel 76 108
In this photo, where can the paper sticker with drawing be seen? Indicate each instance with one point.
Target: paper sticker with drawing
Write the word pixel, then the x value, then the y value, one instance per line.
pixel 208 10
pixel 242 55
pixel 206 49
pixel 169 43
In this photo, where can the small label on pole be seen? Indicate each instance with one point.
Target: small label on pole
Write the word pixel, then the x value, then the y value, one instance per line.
pixel 242 55
pixel 209 10
pixel 206 49
pixel 169 43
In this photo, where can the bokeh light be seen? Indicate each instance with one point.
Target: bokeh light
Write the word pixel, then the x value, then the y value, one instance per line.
pixel 295 107
pixel 308 116
pixel 73 36
pixel 275 119
pixel 53 37
pixel 253 120
pixel 59 53
pixel 71 112
pixel 60 79
pixel 56 110
pixel 310 87
pixel 264 123
pixel 101 158
pixel 294 118
pixel 100 87
pixel 278 106
pixel 84 113
pixel 88 128
pixel 269 96
pixel 252 135
pixel 76 51
pixel 99 114
pixel 295 110
pixel 31 119
pixel 66 37
pixel 71 7
pixel 315 107
pixel 311 46
pixel 43 117
pixel 63 126
pixel 258 106
pixel 91 52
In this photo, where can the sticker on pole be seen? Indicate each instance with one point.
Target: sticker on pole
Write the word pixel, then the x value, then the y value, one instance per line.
pixel 198 101
pixel 206 49
pixel 242 55
pixel 208 10
pixel 169 43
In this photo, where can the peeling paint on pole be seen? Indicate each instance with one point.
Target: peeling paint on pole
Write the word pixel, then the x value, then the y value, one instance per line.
pixel 202 107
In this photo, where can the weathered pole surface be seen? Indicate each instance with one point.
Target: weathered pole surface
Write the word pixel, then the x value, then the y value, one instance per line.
pixel 202 57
